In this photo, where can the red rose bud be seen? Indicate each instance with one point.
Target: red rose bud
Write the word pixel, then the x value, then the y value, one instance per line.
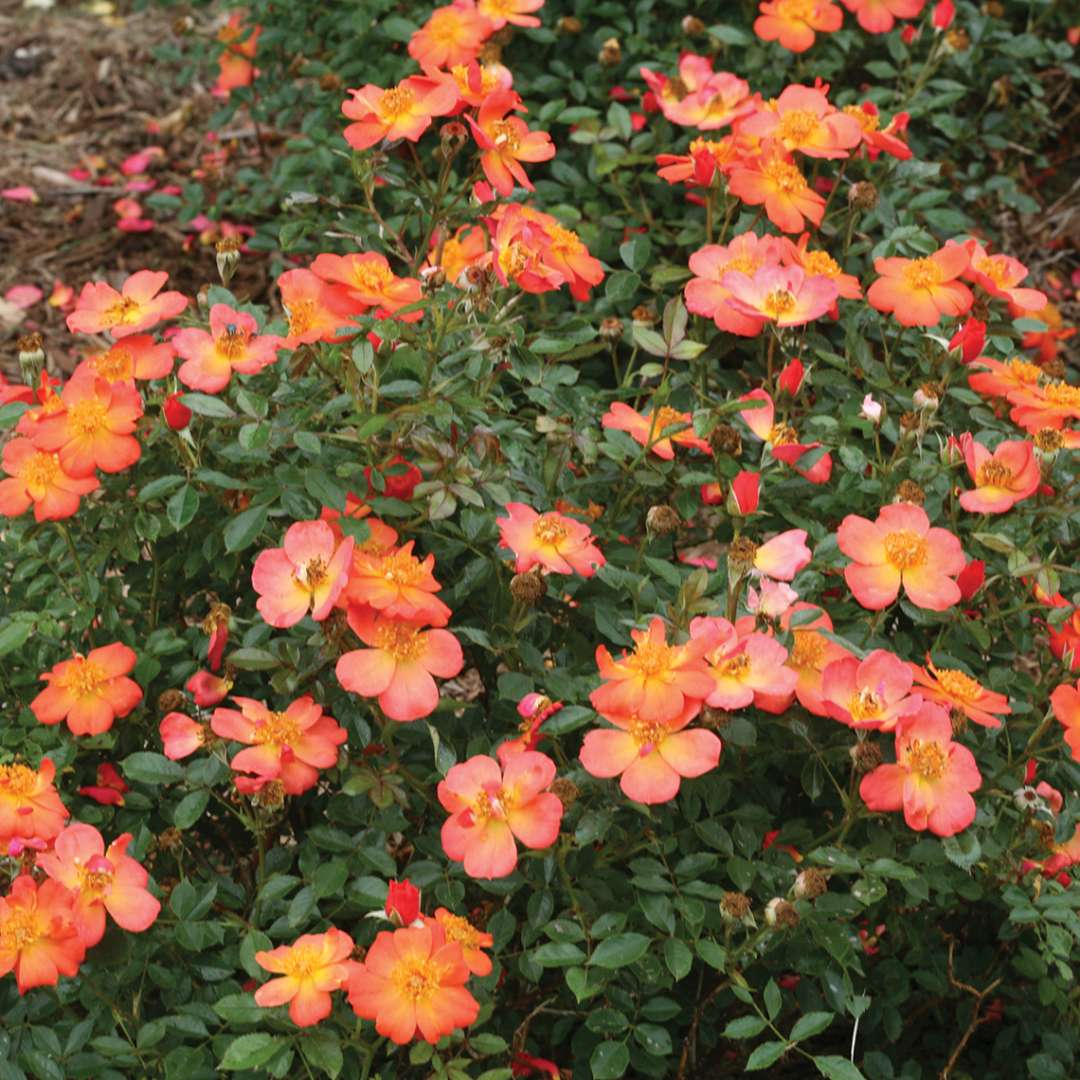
pixel 1029 771
pixel 971 578
pixel 207 689
pixel 908 34
pixel 399 479
pixel 527 1065
pixel 791 378
pixel 944 13
pixel 743 497
pixel 403 903
pixel 110 787
pixel 177 414
pixel 969 339
pixel 712 494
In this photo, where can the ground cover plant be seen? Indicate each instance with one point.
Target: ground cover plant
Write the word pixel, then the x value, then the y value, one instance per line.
pixel 608 608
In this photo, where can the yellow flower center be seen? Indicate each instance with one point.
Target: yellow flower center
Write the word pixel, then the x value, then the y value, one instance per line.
pixel 373 277
pixel 116 365
pixel 548 529
pixel 277 730
pixel 513 259
pixel 994 267
pixel 1024 372
pixel 312 574
pixel 460 930
pixel 40 473
pixel 922 274
pixel 647 733
pixel 779 303
pixel 418 979
pixel 867 121
pixel 796 10
pixel 958 685
pixel 820 262
pixel 232 344
pixel 122 312
pixel 396 103
pixel 782 435
pixel 650 658
pixel 95 881
pixel 1061 393
pixel 486 805
pixel 784 176
pixel 402 641
pixel 401 568
pixel 83 678
pixel 564 242
pixel 742 264
pixel 906 549
pixel 504 136
pixel 797 126
pixel 738 667
pixel 864 705
pixel 807 651
pixel 303 961
pixel 667 417
pixel 301 317
pixel 87 417
pixel 19 930
pixel 993 474
pixel 927 759
pixel 18 780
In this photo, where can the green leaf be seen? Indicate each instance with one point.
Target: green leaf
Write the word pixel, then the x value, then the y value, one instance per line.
pixel 635 252
pixel 322 1050
pixel 714 955
pixel 182 507
pixel 765 1054
pixel 811 1024
pixel 835 1067
pixel 962 850
pixel 244 528
pixel 620 950
pixel 14 632
pixel 159 488
pixel 609 1061
pixel 745 1027
pixel 250 1051
pixel 146 767
pixel 206 405
pixel 190 808
pixel 773 1000
pixel 558 954
pixel 252 659
pixel 678 957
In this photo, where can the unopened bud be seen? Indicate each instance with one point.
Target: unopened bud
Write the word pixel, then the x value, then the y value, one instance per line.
pixel 1048 444
pixel 177 414
pixel 568 24
pixel 611 329
pixel 566 790
pixel 872 410
pixel 528 589
pixel 610 53
pixel 453 136
pixel 662 520
pixel 927 397
pixel 31 357
pixel 781 913
pixel 692 26
pixel 810 883
pixel 863 195
pixel 227 258
pixel 910 492
pixel 865 756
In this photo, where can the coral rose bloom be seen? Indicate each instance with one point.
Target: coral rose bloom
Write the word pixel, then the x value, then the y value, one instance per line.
pixel 932 778
pixel 37 477
pixel 452 35
pixel 310 970
pixel 879 16
pixel 900 548
pixel 404 111
pixel 811 654
pixel 307 573
pixel 646 429
pixel 370 282
pixel 802 119
pixel 413 980
pixel 30 807
pixel 398 665
pixel 290 746
pixel 1002 478
pixel 491 807
pixel 180 735
pixel 89 692
pixel 655 681
pixel 134 357
pixel 774 180
pixel 873 693
pixel 793 23
pixel 232 345
pixel 505 141
pixel 138 306
pixel 38 938
pixel 101 881
pixel 919 291
pixel 558 543
pixel 783 295
pixel 705 292
pixel 460 931
pixel 1065 701
pixel 650 757
pixel 962 694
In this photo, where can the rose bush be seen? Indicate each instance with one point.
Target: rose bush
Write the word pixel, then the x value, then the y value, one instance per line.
pixel 610 611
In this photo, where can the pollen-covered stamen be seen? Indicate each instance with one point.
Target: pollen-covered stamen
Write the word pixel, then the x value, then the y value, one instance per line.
pixel 122 312
pixel 232 344
pixel 417 979
pixel 564 242
pixel 87 417
pixel 784 176
pixel 797 126
pixel 301 315
pixel 20 929
pixel 116 365
pixel 807 651
pixel 737 667
pixel 40 472
pixel 402 640
pixel 650 659
pixel 995 268
pixel 490 803
pixel 905 549
pixel 504 136
pixel 96 876
pixel 312 574
pixel 820 264
pixel 278 730
pixel 957 684
pixel 1024 372
pixel 864 705
pixel 779 303
pixel 548 529
pixel 922 274
pixel 372 277
pixel 782 435
pixel 868 121
pixel 18 780
pixel 1061 393
pixel 993 474
pixel 460 930
pixel 647 733
pixel 302 962
pixel 401 568
pixel 926 759
pixel 396 102
pixel 83 678
pixel 667 417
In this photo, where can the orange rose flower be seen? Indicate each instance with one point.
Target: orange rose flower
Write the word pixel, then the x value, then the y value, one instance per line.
pixel 397 584
pixel 783 296
pixel 553 541
pixel 492 806
pixel 874 693
pixel 900 548
pixel 138 356
pixel 38 938
pixel 315 309
pixel 413 980
pixel 94 431
pixel 648 428
pixel 811 653
pixel 310 969
pixel 819 264
pixel 1002 379
pixel 705 292
pixel 398 665
pixel 136 307
pixel 37 478
pixel 1000 275
pixel 961 693
pixel 1002 478
pixel 180 735
pixel 30 808
pixel 451 36
pixel 919 291
pixel 232 345
pixel 89 692
pixel 932 779
pixel 773 180
pixel 746 669
pixel 307 574
pixel 1065 701
pixel 517 12
pixel 370 282
pixel 404 111
pixel 101 881
pixel 506 141
pixel 290 746
pixel 783 440
pixel 795 23
pixel 1051 406
pixel 461 932
pixel 879 16
pixel 802 119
